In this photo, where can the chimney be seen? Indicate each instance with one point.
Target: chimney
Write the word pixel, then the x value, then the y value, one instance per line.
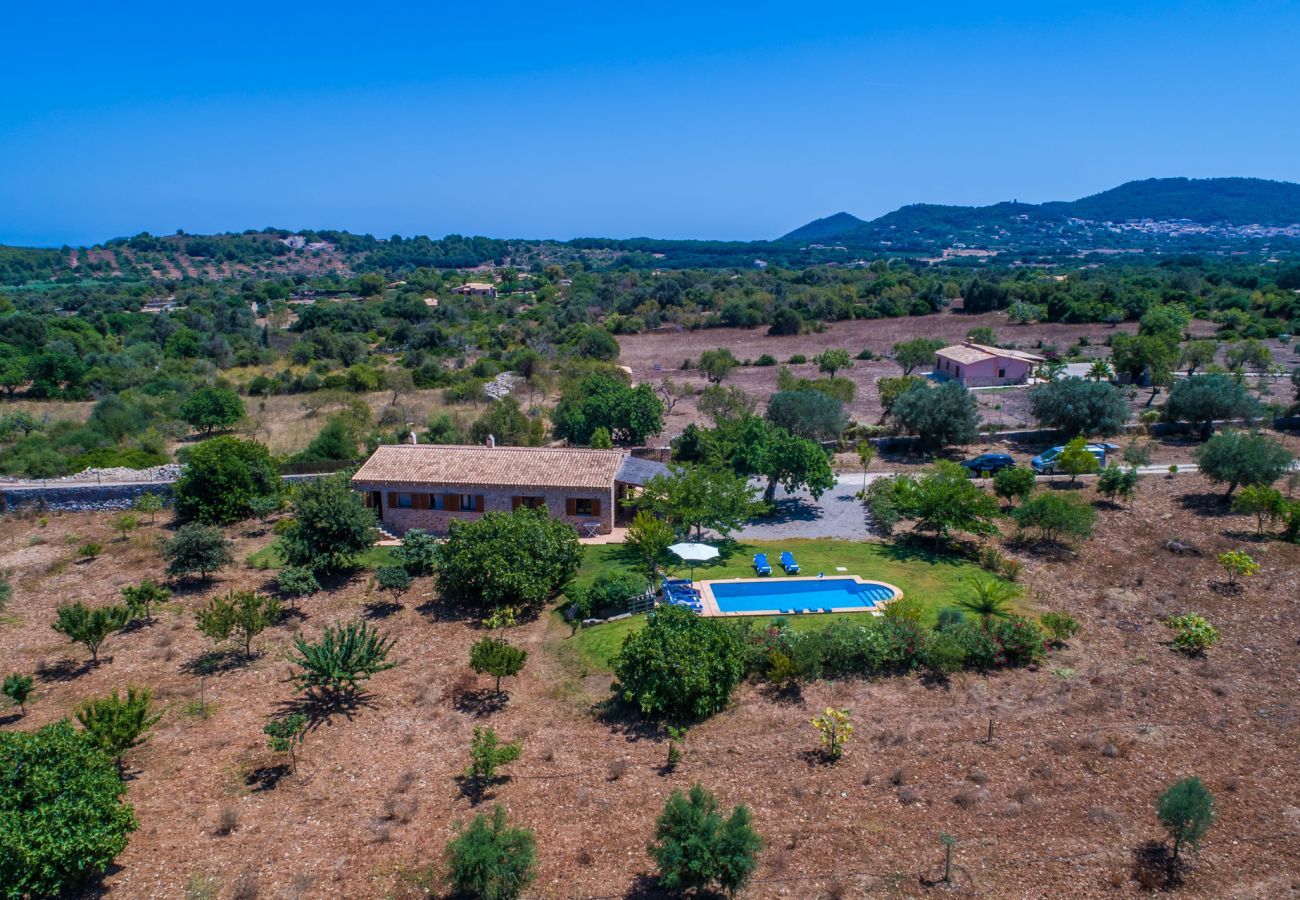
pixel 491 440
pixel 414 440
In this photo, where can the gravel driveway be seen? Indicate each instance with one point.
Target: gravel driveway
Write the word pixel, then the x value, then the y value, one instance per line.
pixel 838 514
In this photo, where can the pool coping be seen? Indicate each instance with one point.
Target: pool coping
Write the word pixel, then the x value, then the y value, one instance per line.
pixel 710 605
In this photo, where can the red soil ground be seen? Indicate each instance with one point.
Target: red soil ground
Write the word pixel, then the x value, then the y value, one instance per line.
pixel 1055 806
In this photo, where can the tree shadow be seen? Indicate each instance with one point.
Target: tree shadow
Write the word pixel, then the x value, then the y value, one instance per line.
pixel 9 719
pixel 792 509
pixel 266 778
pixel 482 702
pixel 1155 868
pixel 790 693
pixel 214 662
pixel 476 789
pixel 435 611
pixel 1204 504
pixel 382 609
pixel 647 887
pixel 621 718
pixel 187 587
pixel 64 670
pixel 321 706
pixel 817 759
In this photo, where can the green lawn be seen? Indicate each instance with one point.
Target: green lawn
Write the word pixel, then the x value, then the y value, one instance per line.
pixel 933 578
pixel 269 557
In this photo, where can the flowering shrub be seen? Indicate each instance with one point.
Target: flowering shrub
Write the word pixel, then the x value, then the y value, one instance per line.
pixel 1193 634
pixel 835 730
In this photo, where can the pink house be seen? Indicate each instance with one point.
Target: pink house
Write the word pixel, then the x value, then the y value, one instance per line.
pixel 978 365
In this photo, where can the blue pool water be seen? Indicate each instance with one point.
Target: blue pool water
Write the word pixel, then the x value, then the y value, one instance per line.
pixel 803 594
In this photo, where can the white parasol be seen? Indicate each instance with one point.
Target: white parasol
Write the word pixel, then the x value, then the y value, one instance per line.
pixel 693 553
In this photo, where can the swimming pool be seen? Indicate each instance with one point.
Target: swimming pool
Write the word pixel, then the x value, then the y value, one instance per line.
pixel 773 596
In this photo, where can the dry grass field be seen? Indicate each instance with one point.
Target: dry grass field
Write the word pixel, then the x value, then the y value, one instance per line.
pixel 1056 805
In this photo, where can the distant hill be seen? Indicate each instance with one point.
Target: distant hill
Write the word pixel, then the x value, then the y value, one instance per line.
pixel 828 227
pixel 1228 205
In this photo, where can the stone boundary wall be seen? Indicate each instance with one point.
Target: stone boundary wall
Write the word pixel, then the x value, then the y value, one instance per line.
pixel 89 496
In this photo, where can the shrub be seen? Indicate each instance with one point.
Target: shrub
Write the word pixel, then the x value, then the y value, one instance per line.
pixel 938 416
pixel 140 598
pixel 797 359
pixel 90 550
pixel 284 734
pixel 522 557
pixel 1116 482
pixel 198 549
pixel 147 503
pixel 89 627
pixel 1059 626
pixel 241 614
pixel 1263 502
pixel 679 665
pixel 1238 564
pixel 125 523
pixel 696 849
pixel 62 820
pixel 296 581
pixel 1193 634
pixel 1186 810
pixel 495 657
pixel 345 656
pixel 487 753
pixel 616 589
pixel 1021 640
pixel 1014 483
pixel 766 359
pixel 221 478
pixel 834 728
pixel 393 578
pixel 115 724
pixel 18 687
pixel 418 552
pixel 492 860
pixel 943 654
pixel 1056 517
pixel 1076 459
pixel 330 527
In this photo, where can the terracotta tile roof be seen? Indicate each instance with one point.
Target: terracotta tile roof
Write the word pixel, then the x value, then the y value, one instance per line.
pixel 968 353
pixel 443 464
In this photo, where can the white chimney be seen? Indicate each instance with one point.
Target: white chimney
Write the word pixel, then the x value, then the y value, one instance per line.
pixel 413 438
pixel 491 440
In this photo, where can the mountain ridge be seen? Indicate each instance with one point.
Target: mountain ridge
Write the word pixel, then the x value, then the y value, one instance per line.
pixel 1233 201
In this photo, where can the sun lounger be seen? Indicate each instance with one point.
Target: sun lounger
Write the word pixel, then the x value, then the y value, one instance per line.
pixel 787 562
pixel 761 565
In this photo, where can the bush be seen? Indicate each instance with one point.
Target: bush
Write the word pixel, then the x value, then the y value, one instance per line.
pixel 1193 633
pixel 241 614
pixel 615 590
pixel 487 753
pixel 221 478
pixel 393 578
pixel 330 526
pixel 1056 517
pixel 418 552
pixel 62 820
pixel 296 581
pixel 83 625
pixel 140 598
pixel 766 359
pixel 1014 483
pixel 115 724
pixel 696 849
pixel 196 548
pixel 493 656
pixel 18 687
pixel 680 665
pixel 1116 482
pixel 1059 626
pixel 490 859
pixel 522 557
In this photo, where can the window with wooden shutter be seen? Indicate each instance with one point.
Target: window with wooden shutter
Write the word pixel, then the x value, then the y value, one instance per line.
pixel 595 507
pixel 570 506
pixel 392 499
pixel 515 503
pixel 478 502
pixel 453 502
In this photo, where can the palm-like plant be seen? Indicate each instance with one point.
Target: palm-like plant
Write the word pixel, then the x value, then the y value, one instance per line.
pixel 344 657
pixel 1100 370
pixel 992 597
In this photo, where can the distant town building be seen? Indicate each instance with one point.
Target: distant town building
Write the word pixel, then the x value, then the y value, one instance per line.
pixel 978 365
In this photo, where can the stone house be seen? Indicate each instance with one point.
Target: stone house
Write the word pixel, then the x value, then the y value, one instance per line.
pixel 978 365
pixel 429 486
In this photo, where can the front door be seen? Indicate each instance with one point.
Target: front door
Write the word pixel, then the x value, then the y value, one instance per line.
pixel 376 503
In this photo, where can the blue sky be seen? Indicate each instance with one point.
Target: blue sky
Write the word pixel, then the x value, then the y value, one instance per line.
pixel 709 120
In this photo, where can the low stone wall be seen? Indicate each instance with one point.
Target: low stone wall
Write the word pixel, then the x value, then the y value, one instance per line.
pixel 82 497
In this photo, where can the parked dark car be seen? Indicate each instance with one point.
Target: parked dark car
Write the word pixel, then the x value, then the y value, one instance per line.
pixel 987 464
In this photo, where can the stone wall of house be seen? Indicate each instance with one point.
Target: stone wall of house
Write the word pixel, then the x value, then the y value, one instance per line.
pixel 438 521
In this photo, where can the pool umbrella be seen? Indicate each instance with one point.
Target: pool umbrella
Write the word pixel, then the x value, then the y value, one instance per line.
pixel 694 553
